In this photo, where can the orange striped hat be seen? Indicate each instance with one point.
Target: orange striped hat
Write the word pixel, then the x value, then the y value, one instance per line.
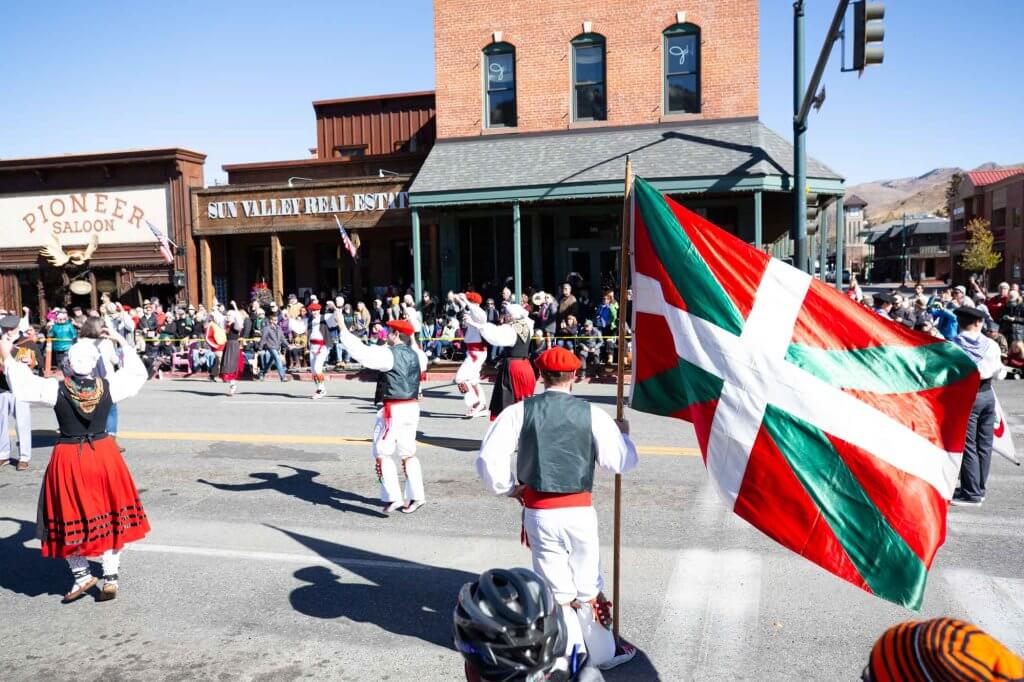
pixel 941 649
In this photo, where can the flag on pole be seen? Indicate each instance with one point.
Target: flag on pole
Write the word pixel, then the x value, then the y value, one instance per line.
pixel 349 245
pixel 835 432
pixel 165 243
pixel 1002 439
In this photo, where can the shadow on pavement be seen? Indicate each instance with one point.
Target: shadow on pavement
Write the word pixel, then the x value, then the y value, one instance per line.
pixel 640 668
pixel 406 598
pixel 24 570
pixel 242 392
pixel 301 485
pixel 461 444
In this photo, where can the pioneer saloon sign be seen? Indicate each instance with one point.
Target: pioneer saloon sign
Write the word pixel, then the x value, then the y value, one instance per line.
pixel 74 218
pixel 359 202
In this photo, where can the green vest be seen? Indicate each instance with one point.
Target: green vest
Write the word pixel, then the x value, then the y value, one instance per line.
pixel 557 452
pixel 402 381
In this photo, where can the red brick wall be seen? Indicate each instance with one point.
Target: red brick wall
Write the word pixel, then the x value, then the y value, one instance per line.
pixel 541 33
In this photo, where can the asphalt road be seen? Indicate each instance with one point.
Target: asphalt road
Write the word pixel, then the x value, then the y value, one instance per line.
pixel 270 560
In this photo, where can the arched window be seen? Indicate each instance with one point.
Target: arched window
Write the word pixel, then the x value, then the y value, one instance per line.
pixel 500 85
pixel 589 102
pixel 682 69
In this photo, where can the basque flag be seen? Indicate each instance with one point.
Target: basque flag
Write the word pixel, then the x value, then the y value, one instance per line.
pixel 349 246
pixel 835 432
pixel 165 243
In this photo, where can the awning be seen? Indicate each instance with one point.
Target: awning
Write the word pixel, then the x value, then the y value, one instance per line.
pixel 716 156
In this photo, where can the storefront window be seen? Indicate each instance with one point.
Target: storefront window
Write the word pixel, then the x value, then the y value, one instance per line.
pixel 682 69
pixel 588 74
pixel 500 85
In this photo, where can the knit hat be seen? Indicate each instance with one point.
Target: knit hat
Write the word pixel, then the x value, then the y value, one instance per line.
pixel 941 649
pixel 474 297
pixel 557 359
pixel 402 327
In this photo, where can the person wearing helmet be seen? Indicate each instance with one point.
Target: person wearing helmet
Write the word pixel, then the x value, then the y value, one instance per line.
pixel 508 627
pixel 560 439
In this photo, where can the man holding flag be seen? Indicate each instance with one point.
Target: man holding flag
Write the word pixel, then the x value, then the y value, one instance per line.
pixel 559 440
pixel 836 432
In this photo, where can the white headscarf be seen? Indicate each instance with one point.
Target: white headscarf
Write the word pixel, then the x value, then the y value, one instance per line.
pixel 82 358
pixel 516 311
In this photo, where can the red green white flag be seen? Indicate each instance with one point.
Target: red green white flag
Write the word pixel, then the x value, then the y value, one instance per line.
pixel 835 432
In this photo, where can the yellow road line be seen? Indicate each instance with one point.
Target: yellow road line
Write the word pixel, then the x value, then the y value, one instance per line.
pixel 304 439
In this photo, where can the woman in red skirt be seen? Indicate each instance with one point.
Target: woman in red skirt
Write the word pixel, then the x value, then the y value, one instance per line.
pixel 516 378
pixel 88 506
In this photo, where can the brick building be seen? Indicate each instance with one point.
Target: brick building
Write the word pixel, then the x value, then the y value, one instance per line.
pixel 996 196
pixel 540 103
pixel 277 222
pixel 919 248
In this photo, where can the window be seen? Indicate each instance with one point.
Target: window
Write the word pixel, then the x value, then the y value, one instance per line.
pixel 682 69
pixel 589 101
pixel 500 85
pixel 347 152
pixel 999 217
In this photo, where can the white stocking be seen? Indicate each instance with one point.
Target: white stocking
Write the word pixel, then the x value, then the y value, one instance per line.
pixel 390 491
pixel 111 562
pixel 413 479
pixel 79 566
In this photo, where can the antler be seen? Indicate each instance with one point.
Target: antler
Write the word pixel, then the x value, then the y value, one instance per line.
pixel 53 252
pixel 91 248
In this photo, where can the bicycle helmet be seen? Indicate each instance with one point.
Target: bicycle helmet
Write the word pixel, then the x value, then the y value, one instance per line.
pixel 508 626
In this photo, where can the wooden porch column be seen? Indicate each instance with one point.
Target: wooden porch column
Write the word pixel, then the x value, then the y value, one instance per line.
pixel 276 269
pixel 435 262
pixel 206 272
pixel 94 297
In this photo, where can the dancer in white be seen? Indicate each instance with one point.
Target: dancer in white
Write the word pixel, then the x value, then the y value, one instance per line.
pixel 468 376
pixel 559 439
pixel 516 379
pixel 400 362
pixel 319 338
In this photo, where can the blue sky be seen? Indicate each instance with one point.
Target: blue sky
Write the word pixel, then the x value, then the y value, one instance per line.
pixel 236 80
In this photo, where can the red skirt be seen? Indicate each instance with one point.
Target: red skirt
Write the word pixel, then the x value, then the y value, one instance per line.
pixel 516 381
pixel 89 502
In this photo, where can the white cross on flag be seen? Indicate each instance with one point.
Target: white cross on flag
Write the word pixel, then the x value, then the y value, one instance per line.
pixel 837 433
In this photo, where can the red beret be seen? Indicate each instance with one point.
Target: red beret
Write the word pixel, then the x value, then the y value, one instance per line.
pixel 557 360
pixel 313 307
pixel 402 327
pixel 474 297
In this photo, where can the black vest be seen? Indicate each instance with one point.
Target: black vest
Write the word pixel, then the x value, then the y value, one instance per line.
pixel 72 424
pixel 557 452
pixel 402 381
pixel 521 348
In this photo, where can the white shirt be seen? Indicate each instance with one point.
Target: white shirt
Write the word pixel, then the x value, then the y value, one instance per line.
pixel 501 334
pixel 124 383
pixel 615 451
pixel 479 317
pixel 379 358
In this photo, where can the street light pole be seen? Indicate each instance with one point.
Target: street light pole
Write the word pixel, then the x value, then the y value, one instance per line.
pixel 799 229
pixel 903 253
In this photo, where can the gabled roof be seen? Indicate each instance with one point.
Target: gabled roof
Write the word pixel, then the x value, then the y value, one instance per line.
pixel 854 201
pixel 987 177
pixel 551 162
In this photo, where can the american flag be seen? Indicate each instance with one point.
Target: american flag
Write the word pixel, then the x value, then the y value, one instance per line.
pixel 349 246
pixel 165 243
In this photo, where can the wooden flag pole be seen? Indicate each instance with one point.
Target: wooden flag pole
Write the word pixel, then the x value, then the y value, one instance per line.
pixel 620 406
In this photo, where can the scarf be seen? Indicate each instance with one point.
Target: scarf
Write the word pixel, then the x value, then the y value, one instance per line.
pixel 973 344
pixel 85 394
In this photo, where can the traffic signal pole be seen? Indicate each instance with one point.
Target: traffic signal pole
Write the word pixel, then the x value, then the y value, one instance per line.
pixel 799 230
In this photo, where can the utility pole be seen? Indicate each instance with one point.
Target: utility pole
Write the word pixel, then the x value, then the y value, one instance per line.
pixel 799 229
pixel 903 253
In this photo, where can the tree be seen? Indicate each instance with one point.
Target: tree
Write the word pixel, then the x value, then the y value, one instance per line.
pixel 953 191
pixel 979 257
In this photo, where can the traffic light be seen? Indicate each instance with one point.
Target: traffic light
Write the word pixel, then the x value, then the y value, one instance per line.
pixel 868 33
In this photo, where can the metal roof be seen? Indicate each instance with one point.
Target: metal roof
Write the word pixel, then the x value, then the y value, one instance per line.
pixel 740 149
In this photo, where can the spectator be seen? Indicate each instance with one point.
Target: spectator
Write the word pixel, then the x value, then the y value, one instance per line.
pixel 438 347
pixel 378 313
pixel 63 333
pixel 883 305
pixel 584 308
pixel 271 346
pixel 361 320
pixel 1012 318
pixel 428 314
pixel 298 329
pixel 944 321
pixel 567 331
pixel 566 304
pixel 548 318
pixel 394 311
pixel 979 304
pixel 589 348
pixel 997 303
pixel 959 298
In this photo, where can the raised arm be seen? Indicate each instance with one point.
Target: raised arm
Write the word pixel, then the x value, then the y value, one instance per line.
pixel 127 381
pixel 26 386
pixel 494 463
pixel 615 451
pixel 371 357
pixel 496 334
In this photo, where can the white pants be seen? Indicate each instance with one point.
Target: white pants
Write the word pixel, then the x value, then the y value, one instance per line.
pixel 566 553
pixel 317 360
pixel 19 410
pixel 469 374
pixel 397 435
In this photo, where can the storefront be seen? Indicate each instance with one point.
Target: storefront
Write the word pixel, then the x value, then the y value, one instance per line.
pixel 78 226
pixel 288 238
